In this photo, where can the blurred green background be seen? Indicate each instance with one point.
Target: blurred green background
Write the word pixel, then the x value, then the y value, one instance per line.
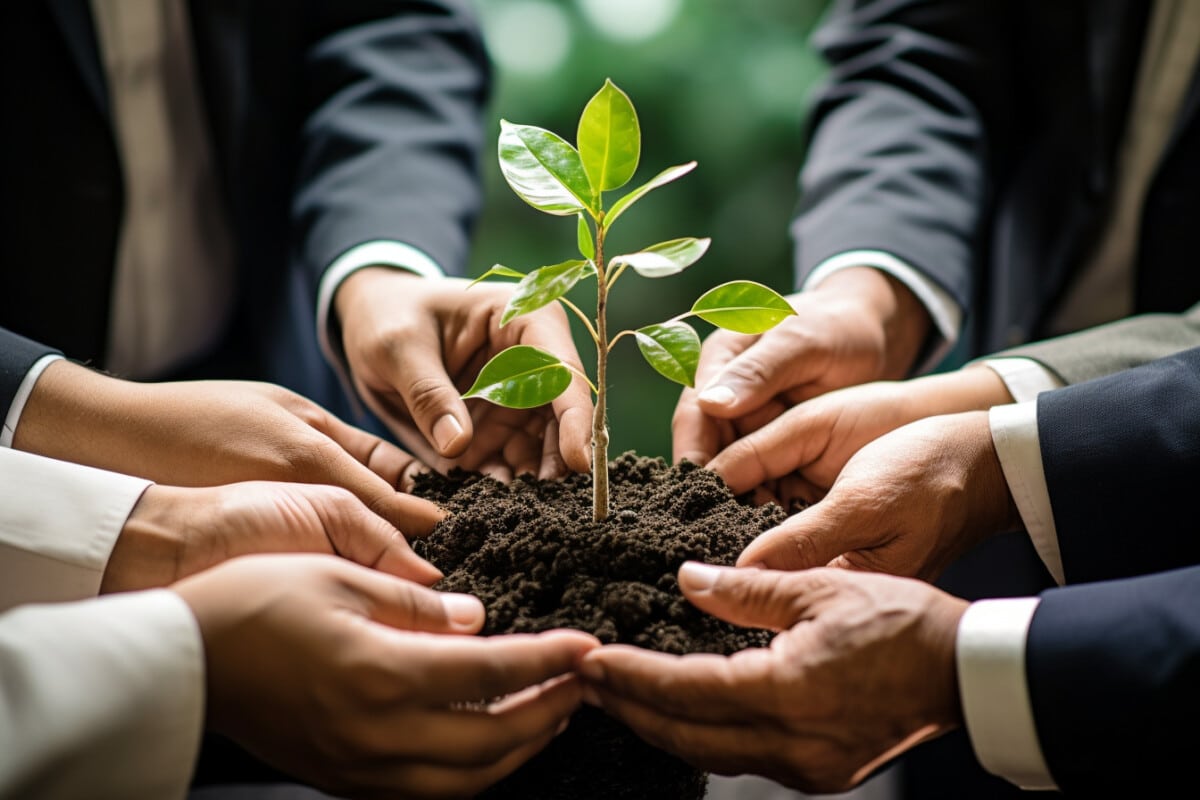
pixel 723 82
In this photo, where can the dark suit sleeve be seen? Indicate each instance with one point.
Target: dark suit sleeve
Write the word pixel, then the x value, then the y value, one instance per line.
pixel 17 357
pixel 1122 464
pixel 1114 682
pixel 392 132
pixel 899 135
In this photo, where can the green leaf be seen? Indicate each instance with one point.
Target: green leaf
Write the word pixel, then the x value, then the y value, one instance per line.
pixel 672 348
pixel 666 176
pixel 665 258
pixel 543 169
pixel 587 247
pixel 497 269
pixel 521 377
pixel 544 285
pixel 742 306
pixel 610 141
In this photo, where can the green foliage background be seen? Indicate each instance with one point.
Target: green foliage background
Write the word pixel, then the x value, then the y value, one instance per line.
pixel 720 81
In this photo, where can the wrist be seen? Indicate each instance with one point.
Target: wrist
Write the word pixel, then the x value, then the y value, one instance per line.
pixel 149 550
pixel 998 509
pixel 902 318
pixel 945 614
pixel 364 282
pixel 969 389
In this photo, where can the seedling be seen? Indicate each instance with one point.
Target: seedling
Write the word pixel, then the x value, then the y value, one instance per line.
pixel 553 176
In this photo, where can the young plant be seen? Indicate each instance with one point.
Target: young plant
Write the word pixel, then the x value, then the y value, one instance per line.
pixel 553 176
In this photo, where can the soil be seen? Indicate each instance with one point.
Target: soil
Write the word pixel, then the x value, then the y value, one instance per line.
pixel 531 552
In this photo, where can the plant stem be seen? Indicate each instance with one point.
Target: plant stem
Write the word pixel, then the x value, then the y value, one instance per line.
pixel 599 416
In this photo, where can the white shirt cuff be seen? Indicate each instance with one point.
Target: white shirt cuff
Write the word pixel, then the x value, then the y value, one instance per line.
pixel 22 397
pixel 1015 434
pixel 990 651
pixel 378 253
pixel 1024 377
pixel 101 698
pixel 58 524
pixel 943 310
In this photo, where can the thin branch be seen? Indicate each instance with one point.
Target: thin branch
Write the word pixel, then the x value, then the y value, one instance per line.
pixel 617 338
pixel 583 317
pixel 616 274
pixel 583 375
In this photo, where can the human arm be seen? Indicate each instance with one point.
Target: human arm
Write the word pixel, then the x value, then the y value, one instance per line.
pixel 861 669
pixel 108 697
pixel 383 692
pixel 205 433
pixel 894 189
pixel 68 532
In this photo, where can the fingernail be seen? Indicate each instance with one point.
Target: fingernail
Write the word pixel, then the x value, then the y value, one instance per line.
pixel 445 431
pixel 592 671
pixel 698 577
pixel 463 610
pixel 591 696
pixel 718 395
pixel 562 726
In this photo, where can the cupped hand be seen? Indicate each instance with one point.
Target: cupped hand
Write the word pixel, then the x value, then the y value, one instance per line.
pixel 908 503
pixel 859 325
pixel 861 670
pixel 803 450
pixel 366 685
pixel 207 433
pixel 174 532
pixel 414 345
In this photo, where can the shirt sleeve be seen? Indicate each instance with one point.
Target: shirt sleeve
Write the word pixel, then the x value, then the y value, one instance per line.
pixel 1024 377
pixel 945 312
pixel 1015 434
pixel 58 524
pixel 990 654
pixel 100 698
pixel 22 397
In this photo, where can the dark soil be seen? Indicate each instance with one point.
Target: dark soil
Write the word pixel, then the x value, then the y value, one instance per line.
pixel 531 552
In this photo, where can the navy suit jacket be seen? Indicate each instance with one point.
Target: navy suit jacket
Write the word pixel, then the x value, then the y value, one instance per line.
pixel 333 122
pixel 1113 662
pixel 978 140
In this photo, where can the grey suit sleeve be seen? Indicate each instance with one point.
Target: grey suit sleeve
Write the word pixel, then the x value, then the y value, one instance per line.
pixel 392 131
pixel 898 156
pixel 1117 346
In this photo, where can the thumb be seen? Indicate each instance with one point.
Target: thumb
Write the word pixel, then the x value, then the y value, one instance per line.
pixel 416 371
pixel 404 605
pixel 765 369
pixel 365 538
pixel 811 538
pixel 753 598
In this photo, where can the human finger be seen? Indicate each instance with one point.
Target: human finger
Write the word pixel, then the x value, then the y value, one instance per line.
pixel 839 523
pixel 572 408
pixel 786 444
pixel 465 669
pixel 776 361
pixel 699 687
pixel 414 368
pixel 407 606
pixel 756 598
pixel 695 436
pixel 364 537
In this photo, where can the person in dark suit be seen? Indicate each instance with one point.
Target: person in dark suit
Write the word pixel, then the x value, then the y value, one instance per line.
pixel 979 174
pixel 1090 688
pixel 189 187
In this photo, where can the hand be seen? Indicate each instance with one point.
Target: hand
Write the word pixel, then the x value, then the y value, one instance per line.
pixel 414 345
pixel 207 433
pixel 909 503
pixel 175 532
pixel 859 325
pixel 799 454
pixel 863 669
pixel 345 678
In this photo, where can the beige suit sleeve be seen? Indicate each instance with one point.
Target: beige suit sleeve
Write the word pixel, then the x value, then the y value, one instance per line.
pixel 58 524
pixel 102 698
pixel 1117 346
